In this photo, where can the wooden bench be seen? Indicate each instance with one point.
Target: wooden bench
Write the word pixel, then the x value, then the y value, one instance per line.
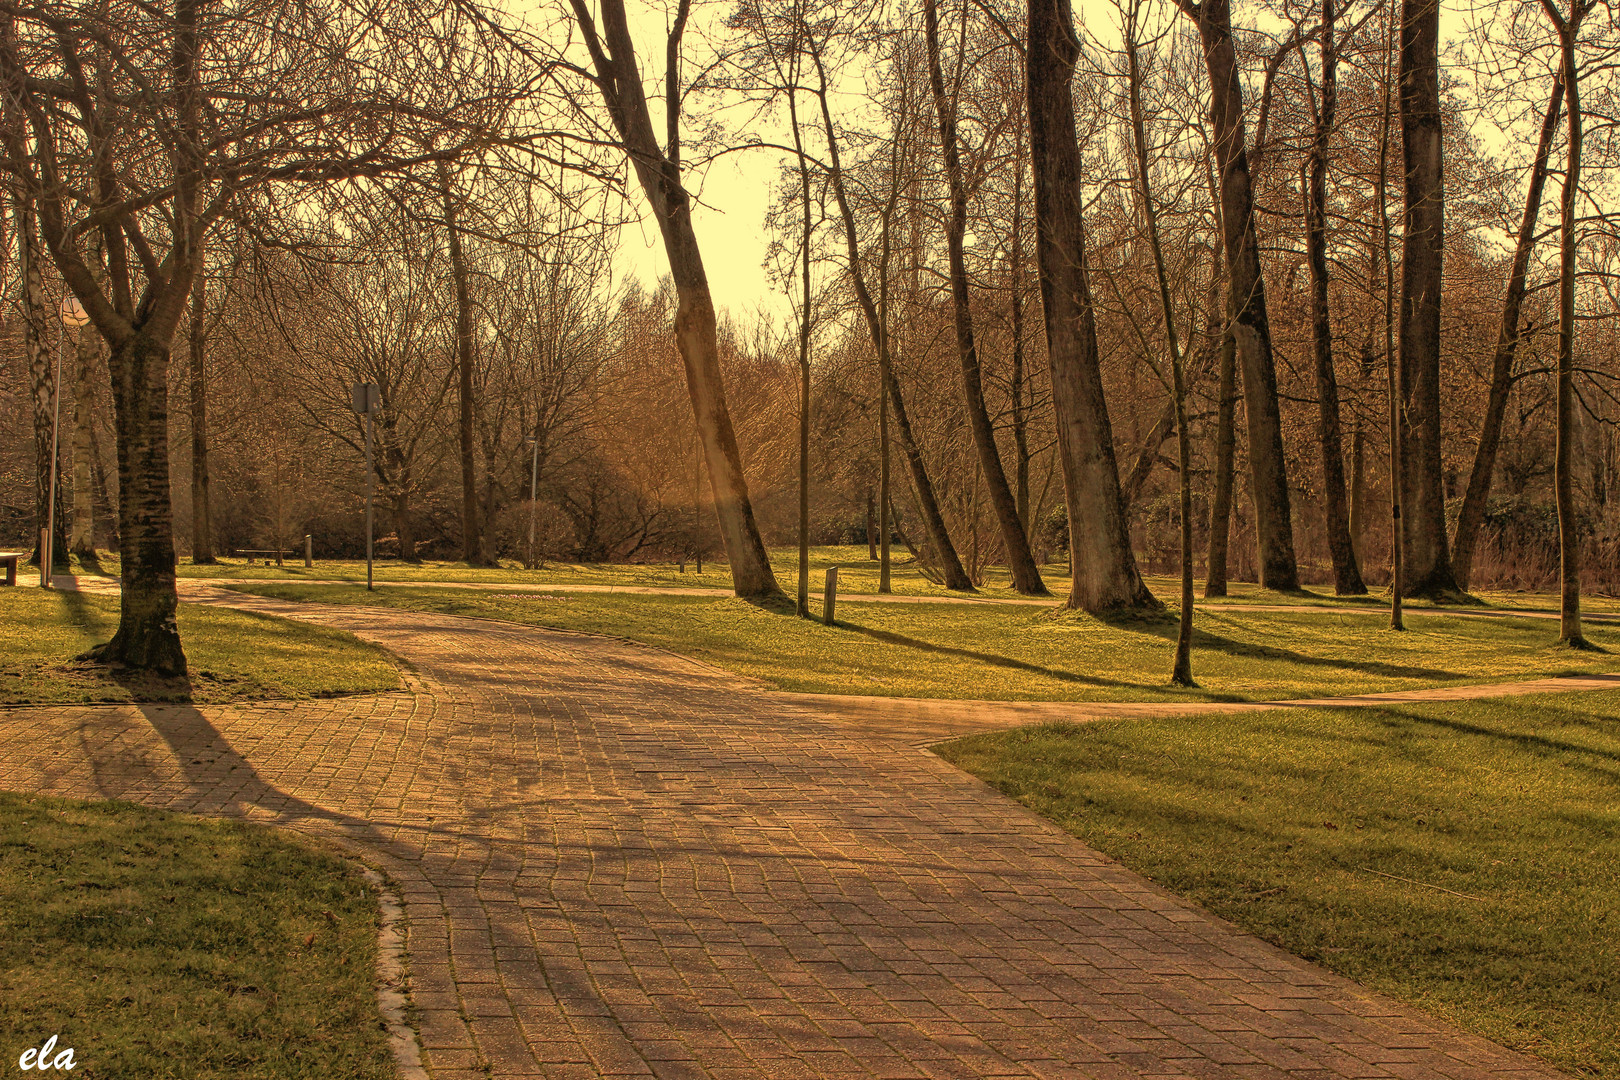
pixel 267 555
pixel 8 559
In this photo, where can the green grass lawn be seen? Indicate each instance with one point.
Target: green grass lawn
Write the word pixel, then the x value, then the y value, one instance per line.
pixel 233 655
pixel 857 574
pixel 1026 653
pixel 161 945
pixel 1285 822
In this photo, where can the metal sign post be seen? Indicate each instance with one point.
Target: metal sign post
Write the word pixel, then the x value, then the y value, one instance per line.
pixel 367 400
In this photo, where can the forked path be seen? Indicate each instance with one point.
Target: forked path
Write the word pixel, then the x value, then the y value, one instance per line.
pixel 619 863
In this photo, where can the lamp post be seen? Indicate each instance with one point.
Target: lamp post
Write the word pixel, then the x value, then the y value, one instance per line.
pixel 367 400
pixel 534 483
pixel 74 315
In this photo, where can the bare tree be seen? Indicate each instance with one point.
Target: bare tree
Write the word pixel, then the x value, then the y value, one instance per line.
pixel 1103 574
pixel 617 78
pixel 1471 515
pixel 1026 576
pixel 1251 327
pixel 1569 550
pixel 1181 668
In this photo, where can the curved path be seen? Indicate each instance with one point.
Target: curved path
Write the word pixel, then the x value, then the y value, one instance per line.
pixel 616 862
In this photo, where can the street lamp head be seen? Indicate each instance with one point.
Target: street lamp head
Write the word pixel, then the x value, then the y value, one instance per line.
pixel 73 313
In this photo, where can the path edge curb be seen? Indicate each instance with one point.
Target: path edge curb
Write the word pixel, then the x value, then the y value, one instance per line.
pixel 393 980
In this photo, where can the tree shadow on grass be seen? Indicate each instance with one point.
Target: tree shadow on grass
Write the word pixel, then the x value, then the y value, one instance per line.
pixel 1565 753
pixel 1164 625
pixel 994 659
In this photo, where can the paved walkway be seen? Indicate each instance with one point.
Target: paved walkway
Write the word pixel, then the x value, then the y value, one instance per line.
pixel 616 862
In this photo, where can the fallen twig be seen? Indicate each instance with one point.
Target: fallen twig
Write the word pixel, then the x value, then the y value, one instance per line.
pixel 1425 884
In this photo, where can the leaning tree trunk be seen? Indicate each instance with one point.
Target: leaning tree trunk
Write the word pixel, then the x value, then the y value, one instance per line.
pixel 950 564
pixel 202 531
pixel 1026 577
pixel 148 637
pixel 1569 544
pixel 696 332
pixel 1251 326
pixel 1472 514
pixel 1330 429
pixel 1427 555
pixel 1103 574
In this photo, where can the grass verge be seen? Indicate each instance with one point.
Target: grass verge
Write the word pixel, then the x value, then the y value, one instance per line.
pixel 857 574
pixel 233 655
pixel 161 945
pixel 1463 857
pixel 1026 653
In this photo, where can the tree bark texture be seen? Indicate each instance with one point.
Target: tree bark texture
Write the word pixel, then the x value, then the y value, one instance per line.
pixel 1471 516
pixel 1330 435
pixel 148 636
pixel 1251 327
pixel 696 331
pixel 1026 577
pixel 1103 573
pixel 1427 555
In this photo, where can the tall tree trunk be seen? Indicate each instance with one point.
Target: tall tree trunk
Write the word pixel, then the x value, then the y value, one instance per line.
pixel 82 538
pixel 202 533
pixel 1103 574
pixel 1472 514
pixel 1397 523
pixel 1423 494
pixel 38 317
pixel 803 600
pixel 1569 541
pixel 1251 327
pixel 696 330
pixel 1181 668
pixel 951 569
pixel 1220 503
pixel 148 637
pixel 885 496
pixel 1020 410
pixel 472 544
pixel 1346 572
pixel 1026 578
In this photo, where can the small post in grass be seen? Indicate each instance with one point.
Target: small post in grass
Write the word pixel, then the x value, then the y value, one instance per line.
pixel 309 552
pixel 829 599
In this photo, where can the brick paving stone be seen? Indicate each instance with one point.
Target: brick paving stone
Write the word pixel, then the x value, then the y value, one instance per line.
pixel 619 862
